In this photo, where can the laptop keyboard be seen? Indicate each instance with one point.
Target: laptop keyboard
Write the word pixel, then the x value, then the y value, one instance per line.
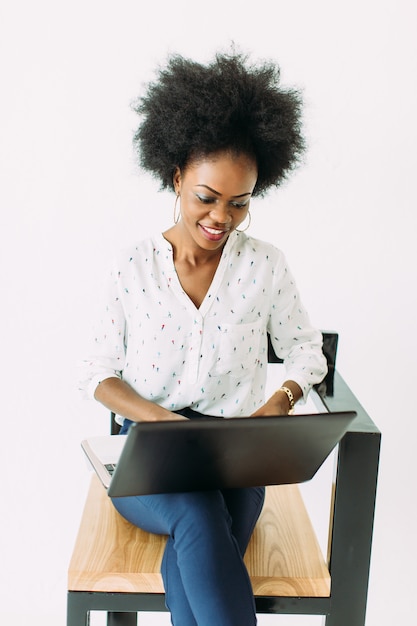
pixel 110 467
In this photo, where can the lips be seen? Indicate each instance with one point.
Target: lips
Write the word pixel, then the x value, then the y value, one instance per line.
pixel 213 234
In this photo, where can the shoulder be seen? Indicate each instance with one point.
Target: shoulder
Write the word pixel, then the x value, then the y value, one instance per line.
pixel 257 250
pixel 142 253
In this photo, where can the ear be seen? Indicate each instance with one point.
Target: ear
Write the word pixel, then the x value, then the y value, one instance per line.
pixel 176 180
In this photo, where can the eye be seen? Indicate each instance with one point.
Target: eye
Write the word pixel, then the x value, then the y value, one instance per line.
pixel 239 205
pixel 206 199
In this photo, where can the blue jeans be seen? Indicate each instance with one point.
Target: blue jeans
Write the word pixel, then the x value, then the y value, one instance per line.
pixel 205 579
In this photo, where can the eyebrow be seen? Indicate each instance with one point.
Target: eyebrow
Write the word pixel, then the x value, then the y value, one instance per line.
pixel 248 193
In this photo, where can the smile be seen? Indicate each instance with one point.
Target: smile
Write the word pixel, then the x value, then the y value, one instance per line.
pixel 214 234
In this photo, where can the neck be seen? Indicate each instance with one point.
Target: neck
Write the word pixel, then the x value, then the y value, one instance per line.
pixel 187 251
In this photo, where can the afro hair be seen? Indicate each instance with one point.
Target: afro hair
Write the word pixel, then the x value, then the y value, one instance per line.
pixel 193 111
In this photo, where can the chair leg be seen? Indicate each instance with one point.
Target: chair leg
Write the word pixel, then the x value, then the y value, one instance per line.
pixel 77 612
pixel 353 527
pixel 122 619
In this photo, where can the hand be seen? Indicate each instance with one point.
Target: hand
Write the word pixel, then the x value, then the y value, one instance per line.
pixel 276 405
pixel 157 413
pixel 173 417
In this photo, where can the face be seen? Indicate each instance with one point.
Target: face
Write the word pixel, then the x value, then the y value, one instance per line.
pixel 214 195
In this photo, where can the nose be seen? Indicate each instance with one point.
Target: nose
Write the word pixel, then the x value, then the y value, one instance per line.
pixel 221 213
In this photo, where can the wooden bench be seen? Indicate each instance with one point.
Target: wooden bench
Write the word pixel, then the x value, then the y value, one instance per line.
pixel 115 566
pixel 283 557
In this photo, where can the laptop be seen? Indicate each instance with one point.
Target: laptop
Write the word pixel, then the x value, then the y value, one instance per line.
pixel 213 453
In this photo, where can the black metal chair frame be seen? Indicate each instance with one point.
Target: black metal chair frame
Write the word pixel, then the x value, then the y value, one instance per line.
pixel 350 538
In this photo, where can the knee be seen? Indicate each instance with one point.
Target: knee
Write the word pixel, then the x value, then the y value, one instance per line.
pixel 202 512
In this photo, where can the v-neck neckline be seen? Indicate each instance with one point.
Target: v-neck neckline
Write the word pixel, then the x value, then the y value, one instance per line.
pixel 216 281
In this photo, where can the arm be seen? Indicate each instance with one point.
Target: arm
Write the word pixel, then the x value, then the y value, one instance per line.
pixel 293 337
pixel 119 397
pixel 294 340
pixel 103 370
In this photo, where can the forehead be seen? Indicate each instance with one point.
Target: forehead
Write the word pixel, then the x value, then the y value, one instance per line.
pixel 223 169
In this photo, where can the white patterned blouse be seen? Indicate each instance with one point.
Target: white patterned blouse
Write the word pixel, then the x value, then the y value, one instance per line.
pixel 212 358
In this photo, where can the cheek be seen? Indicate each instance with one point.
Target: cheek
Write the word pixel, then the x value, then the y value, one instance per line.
pixel 192 210
pixel 241 216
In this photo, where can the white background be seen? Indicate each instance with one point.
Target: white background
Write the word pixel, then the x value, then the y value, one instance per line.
pixel 70 192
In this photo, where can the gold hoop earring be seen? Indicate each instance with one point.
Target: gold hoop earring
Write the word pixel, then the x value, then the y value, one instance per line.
pixel 177 217
pixel 246 227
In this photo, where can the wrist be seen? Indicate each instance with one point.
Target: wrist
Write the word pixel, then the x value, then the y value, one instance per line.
pixel 285 392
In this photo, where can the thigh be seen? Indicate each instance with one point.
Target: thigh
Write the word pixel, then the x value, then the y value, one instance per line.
pixel 143 511
pixel 162 513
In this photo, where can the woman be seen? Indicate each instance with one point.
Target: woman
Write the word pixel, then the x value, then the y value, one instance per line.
pixel 184 332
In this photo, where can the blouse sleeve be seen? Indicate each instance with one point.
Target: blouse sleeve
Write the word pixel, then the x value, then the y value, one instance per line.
pixel 293 337
pixel 107 346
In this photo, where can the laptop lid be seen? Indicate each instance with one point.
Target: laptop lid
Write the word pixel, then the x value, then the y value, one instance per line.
pixel 213 453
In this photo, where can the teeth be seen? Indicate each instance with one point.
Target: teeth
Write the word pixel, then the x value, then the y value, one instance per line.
pixel 213 231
